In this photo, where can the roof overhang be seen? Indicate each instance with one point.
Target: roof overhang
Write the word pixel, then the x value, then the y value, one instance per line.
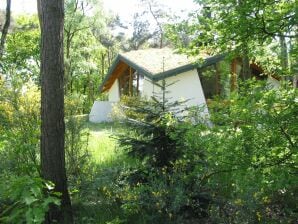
pixel 111 77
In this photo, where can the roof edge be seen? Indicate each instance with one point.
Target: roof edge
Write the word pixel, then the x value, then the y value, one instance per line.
pixel 118 58
pixel 207 62
pixel 111 69
pixel 157 77
pixel 137 67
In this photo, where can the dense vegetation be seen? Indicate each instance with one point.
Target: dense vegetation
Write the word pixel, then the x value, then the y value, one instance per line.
pixel 156 163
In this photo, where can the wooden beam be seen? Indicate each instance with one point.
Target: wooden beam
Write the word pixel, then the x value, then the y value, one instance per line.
pixel 121 67
pixel 234 75
pixel 130 82
pixel 138 85
pixel 217 78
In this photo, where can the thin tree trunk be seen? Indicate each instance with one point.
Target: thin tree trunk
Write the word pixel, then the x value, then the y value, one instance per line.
pixel 233 84
pixel 51 14
pixel 102 66
pixel 158 24
pixel 5 27
pixel 284 59
pixel 246 72
pixel 294 61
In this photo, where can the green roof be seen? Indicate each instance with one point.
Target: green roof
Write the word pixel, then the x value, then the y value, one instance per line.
pixel 156 61
pixel 157 64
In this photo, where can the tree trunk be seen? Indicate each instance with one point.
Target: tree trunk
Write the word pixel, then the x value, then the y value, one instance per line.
pixel 234 81
pixel 245 72
pixel 5 27
pixel 294 60
pixel 51 14
pixel 161 32
pixel 284 60
pixel 102 66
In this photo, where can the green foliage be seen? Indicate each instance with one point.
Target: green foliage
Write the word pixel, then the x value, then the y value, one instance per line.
pixel 244 28
pixel 251 152
pixel 163 186
pixel 22 52
pixel 240 169
pixel 89 48
pixel 25 199
pixel 226 24
pixel 77 156
pixel 76 149
pixel 150 124
pixel 19 127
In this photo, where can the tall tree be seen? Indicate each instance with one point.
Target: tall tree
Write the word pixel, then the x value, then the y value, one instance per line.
pixel 141 33
pixel 246 29
pixel 159 14
pixel 51 14
pixel 5 27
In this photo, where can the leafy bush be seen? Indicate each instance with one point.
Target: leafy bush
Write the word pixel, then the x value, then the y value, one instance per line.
pixel 251 151
pixel 163 186
pixel 240 169
pixel 77 156
pixel 76 148
pixel 19 127
pixel 25 199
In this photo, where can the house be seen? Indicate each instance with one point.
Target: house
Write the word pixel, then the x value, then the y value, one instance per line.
pixel 140 73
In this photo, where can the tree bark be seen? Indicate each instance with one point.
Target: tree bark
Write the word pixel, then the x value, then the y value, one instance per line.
pixel 51 14
pixel 5 27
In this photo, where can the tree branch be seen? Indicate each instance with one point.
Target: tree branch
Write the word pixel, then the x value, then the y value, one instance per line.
pixel 5 27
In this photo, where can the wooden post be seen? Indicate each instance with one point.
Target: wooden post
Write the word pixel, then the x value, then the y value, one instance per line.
pixel 217 78
pixel 233 75
pixel 130 82
pixel 138 83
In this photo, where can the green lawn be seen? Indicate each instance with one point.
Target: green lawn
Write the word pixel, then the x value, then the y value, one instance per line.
pixel 108 160
pixel 102 145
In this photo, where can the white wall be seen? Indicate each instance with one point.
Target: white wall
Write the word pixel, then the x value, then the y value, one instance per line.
pixel 114 95
pixel 147 88
pixel 273 83
pixel 186 86
pixel 100 111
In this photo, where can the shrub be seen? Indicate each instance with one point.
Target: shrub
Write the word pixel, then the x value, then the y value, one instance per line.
pixel 77 156
pixel 240 169
pixel 25 199
pixel 164 187
pixel 19 127
pixel 150 124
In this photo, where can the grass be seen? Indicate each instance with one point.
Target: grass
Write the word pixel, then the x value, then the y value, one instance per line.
pixel 108 160
pixel 101 144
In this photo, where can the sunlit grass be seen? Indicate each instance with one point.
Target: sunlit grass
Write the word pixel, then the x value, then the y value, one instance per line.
pixel 107 161
pixel 102 145
pixel 107 158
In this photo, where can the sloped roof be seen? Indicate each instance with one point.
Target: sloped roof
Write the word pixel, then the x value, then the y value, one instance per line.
pixel 157 64
pixel 156 61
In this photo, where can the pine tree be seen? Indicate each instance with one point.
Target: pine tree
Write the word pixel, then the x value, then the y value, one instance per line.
pixel 150 126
